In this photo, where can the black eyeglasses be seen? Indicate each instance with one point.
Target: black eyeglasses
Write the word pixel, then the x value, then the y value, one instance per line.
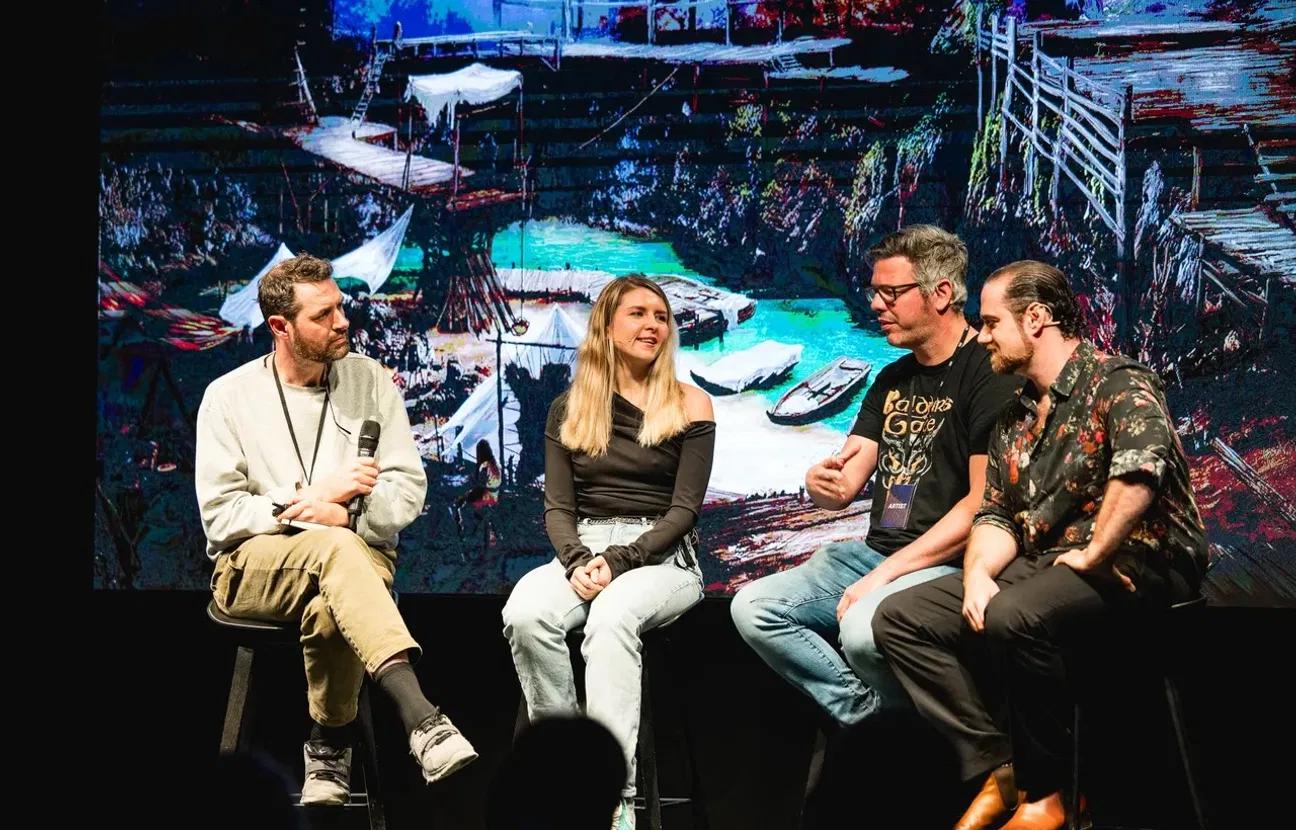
pixel 889 293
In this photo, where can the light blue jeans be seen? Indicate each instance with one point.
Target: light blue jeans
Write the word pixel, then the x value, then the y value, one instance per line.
pixel 543 608
pixel 790 619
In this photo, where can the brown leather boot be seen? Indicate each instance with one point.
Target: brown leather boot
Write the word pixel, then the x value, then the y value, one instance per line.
pixel 1048 813
pixel 995 803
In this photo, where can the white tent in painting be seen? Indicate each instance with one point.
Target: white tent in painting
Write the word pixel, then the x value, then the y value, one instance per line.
pixel 241 307
pixel 479 416
pixel 372 263
pixel 475 84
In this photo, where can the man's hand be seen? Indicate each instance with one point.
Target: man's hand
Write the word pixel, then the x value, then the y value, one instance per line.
pixel 357 478
pixel 1085 561
pixel 826 480
pixel 319 512
pixel 869 582
pixel 978 590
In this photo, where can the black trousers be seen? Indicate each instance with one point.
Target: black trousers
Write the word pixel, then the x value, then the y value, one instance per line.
pixel 1003 694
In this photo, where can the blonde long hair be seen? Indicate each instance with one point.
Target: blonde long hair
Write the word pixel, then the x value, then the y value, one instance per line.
pixel 587 423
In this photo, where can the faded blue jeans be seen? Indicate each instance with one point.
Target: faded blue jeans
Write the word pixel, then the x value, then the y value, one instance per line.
pixel 543 608
pixel 790 619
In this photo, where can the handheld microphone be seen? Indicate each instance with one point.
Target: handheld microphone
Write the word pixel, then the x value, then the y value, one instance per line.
pixel 368 442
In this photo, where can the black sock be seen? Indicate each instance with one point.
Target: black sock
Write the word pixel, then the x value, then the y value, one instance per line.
pixel 334 736
pixel 401 684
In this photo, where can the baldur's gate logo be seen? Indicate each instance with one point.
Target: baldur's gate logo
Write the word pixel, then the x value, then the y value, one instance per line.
pixel 909 425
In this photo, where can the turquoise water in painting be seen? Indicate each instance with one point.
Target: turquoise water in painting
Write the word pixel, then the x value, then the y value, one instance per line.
pixel 822 326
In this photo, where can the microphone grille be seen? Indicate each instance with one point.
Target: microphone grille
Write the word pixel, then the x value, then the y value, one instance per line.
pixel 368 439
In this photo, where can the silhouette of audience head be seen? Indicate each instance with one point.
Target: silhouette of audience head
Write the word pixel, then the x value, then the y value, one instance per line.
pixel 562 774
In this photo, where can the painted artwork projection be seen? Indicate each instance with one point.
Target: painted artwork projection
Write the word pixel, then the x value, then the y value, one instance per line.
pixel 477 170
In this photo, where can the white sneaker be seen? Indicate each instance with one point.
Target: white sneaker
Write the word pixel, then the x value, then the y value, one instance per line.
pixel 623 818
pixel 439 747
pixel 328 774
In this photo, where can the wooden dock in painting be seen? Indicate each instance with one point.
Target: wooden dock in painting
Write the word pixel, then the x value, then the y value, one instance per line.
pixel 1209 88
pixel 1254 481
pixel 1077 97
pixel 703 53
pixel 1249 238
pixel 553 49
pixel 753 537
pixel 1246 256
pixel 365 154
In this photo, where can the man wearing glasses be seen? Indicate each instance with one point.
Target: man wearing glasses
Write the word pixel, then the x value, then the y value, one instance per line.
pixel 276 468
pixel 922 430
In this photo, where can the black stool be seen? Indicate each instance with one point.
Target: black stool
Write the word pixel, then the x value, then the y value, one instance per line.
pixel 1171 618
pixel 253 635
pixel 655 646
pixel 815 772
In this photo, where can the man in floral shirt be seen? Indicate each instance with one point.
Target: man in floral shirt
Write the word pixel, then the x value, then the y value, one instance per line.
pixel 1088 512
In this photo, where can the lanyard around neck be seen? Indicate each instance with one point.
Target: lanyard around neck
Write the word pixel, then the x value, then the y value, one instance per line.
pixel 949 364
pixel 319 432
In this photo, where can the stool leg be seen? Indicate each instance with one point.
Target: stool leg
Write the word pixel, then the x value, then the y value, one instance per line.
pixel 1073 797
pixel 369 760
pixel 647 752
pixel 238 707
pixel 691 775
pixel 815 771
pixel 1181 738
pixel 523 720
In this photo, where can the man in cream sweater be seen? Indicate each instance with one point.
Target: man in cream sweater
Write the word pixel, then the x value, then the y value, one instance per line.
pixel 277 467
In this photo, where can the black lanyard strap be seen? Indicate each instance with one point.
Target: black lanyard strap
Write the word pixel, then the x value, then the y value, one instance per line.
pixel 949 364
pixel 319 432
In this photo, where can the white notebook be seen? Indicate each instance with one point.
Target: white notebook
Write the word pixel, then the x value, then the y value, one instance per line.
pixel 303 525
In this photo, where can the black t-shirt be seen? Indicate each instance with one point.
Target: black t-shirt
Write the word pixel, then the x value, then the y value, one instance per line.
pixel 927 421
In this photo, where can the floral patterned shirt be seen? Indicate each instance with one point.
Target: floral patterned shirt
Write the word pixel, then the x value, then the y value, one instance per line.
pixel 1044 484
